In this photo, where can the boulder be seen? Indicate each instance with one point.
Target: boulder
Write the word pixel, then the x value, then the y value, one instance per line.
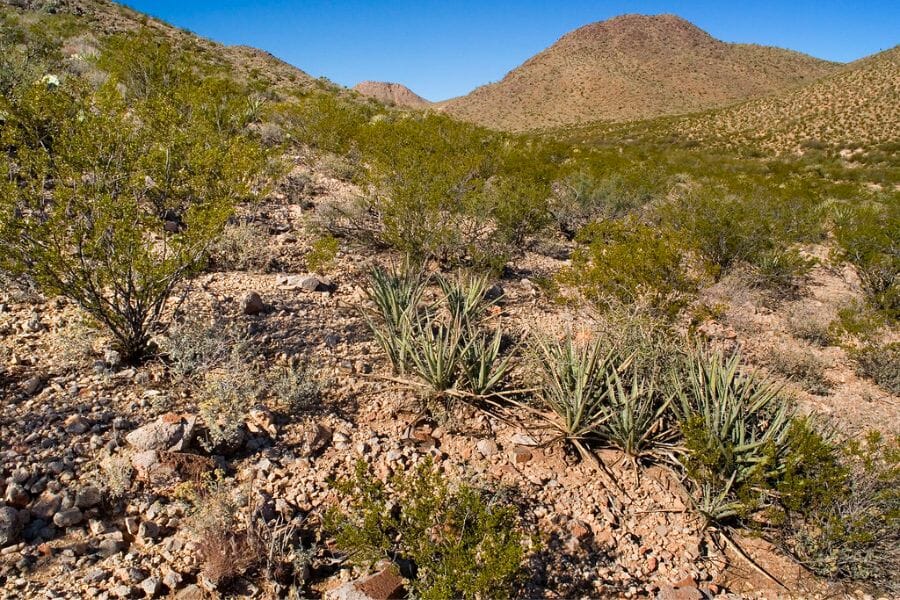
pixel 10 526
pixel 170 431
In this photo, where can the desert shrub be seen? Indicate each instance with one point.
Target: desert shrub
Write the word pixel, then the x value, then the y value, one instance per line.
pixel 326 122
pixel 801 366
pixel 225 399
pixel 880 363
pixel 810 324
pixel 843 515
pixel 323 253
pixel 748 224
pixel 459 541
pixel 113 200
pixel 224 551
pixel 338 167
pixel 234 540
pixel 438 188
pixel 857 320
pixel 628 261
pixel 193 347
pixel 294 387
pixel 115 474
pixel 736 433
pixel 599 192
pixel 240 247
pixel 867 234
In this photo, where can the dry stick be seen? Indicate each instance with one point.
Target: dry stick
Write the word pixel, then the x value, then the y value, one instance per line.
pixel 756 566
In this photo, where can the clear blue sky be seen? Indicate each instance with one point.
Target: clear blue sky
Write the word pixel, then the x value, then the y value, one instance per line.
pixel 446 48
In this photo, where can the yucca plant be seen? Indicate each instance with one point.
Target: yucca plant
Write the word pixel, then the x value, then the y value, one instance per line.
pixel 396 295
pixel 635 415
pixel 466 297
pixel 574 385
pixel 736 427
pixel 483 367
pixel 438 350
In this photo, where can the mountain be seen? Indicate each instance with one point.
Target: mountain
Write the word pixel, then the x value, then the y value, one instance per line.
pixel 633 67
pixel 857 106
pixel 393 94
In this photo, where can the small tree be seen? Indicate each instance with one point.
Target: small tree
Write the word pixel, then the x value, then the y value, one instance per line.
pixel 112 204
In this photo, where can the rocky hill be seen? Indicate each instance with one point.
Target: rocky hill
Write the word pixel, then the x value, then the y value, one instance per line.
pixel 633 67
pixel 392 94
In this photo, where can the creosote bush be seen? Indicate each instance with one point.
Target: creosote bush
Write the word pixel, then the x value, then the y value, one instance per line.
pixel 842 516
pixel 449 541
pixel 112 196
pixel 628 261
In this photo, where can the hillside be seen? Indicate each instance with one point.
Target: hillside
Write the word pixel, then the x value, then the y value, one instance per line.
pixel 99 18
pixel 633 67
pixel 392 94
pixel 858 106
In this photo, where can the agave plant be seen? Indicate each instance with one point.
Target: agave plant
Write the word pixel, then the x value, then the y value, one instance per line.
pixel 396 295
pixel 483 367
pixel 574 385
pixel 635 415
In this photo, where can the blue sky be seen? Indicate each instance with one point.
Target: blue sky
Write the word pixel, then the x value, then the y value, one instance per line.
pixel 442 49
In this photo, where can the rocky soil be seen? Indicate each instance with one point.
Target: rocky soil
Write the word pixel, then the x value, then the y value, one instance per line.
pixel 96 454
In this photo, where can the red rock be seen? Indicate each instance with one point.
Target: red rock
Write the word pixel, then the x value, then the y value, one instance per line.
pixel 384 585
pixel 521 455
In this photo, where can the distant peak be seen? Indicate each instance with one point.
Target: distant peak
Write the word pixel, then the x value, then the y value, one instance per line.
pixel 389 92
pixel 624 25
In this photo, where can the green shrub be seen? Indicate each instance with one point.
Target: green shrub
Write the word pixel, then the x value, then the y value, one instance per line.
pixel 460 542
pixel 880 363
pixel 747 224
pixel 113 203
pixel 843 518
pixel 323 253
pixel 867 234
pixel 442 189
pixel 628 261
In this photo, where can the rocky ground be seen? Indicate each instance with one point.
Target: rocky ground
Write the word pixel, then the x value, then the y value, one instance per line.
pixel 95 454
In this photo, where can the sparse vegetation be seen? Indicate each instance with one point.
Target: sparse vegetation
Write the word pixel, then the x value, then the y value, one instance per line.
pixel 135 156
pixel 458 541
pixel 880 363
